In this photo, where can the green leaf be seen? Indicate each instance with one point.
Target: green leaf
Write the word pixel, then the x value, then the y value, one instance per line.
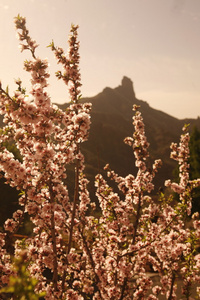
pixel 51 45
pixel 7 90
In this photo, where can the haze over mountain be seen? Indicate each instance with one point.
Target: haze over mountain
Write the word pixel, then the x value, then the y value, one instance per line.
pixel 112 121
pixel 154 42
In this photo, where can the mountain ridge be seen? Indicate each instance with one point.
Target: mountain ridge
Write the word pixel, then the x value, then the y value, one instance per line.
pixel 111 122
pixel 111 119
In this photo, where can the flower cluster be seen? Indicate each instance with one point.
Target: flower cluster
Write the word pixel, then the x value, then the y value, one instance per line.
pixel 48 140
pixel 71 73
pixel 75 252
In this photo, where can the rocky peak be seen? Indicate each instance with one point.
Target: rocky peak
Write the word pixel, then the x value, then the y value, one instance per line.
pixel 126 88
pixel 127 82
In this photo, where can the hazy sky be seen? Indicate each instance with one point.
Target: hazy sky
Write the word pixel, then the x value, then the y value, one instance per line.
pixel 156 43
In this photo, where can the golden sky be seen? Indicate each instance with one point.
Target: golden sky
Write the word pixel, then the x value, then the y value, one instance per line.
pixel 156 43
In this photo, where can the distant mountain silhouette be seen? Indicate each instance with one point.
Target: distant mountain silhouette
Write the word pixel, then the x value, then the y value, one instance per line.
pixel 111 118
pixel 112 121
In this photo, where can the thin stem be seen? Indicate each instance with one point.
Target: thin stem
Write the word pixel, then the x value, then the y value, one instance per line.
pixel 137 220
pixel 91 261
pixel 76 188
pixel 133 242
pixel 74 205
pixel 3 92
pixel 123 288
pixel 53 234
pixel 171 288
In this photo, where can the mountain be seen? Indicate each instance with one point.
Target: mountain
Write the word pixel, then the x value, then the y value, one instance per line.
pixel 111 119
